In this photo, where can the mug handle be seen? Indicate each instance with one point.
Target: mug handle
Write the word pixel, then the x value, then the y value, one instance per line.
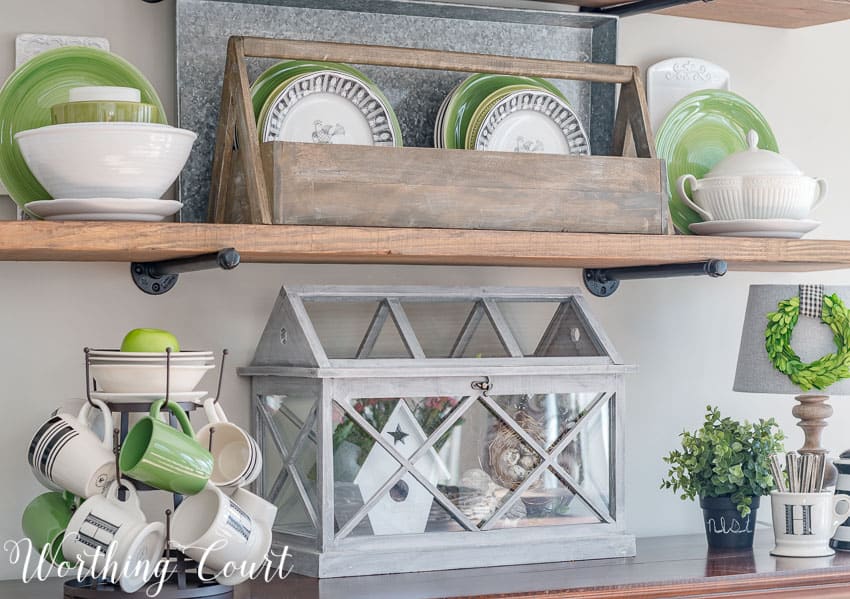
pixel 178 412
pixel 838 515
pixel 214 412
pixel 108 423
pixel 822 191
pixel 683 194
pixel 132 496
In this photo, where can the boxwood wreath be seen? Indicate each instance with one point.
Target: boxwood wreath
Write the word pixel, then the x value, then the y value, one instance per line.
pixel 827 369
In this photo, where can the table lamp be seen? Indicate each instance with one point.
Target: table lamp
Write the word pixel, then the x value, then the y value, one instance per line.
pixel 809 338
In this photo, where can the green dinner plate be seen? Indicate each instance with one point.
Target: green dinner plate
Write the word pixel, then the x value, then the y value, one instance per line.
pixel 38 84
pixel 275 79
pixel 471 93
pixel 699 132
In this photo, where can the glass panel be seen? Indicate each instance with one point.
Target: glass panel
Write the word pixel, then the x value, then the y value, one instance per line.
pixel 389 343
pixel 292 516
pixel 288 416
pixel 341 326
pixel 487 460
pixel 362 466
pixel 587 459
pixel 548 502
pixel 528 321
pixel 569 335
pixel 437 325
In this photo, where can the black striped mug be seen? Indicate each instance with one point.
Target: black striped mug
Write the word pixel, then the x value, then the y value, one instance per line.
pixel 66 455
pixel 113 536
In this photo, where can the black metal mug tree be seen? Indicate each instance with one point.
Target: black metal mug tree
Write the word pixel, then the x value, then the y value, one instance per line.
pixel 187 584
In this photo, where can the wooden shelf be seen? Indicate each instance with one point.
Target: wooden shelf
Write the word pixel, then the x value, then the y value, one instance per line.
pixel 789 14
pixel 141 242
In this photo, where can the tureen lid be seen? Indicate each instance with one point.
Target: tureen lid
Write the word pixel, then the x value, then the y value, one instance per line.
pixel 754 161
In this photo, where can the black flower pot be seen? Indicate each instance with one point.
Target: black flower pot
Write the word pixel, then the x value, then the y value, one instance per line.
pixel 725 528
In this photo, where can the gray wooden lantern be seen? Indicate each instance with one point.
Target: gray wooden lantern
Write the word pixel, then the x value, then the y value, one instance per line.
pixel 421 428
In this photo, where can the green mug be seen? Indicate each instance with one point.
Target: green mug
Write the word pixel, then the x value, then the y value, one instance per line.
pixel 164 457
pixel 45 520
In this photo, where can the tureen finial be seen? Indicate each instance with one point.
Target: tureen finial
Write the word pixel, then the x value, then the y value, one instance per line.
pixel 753 140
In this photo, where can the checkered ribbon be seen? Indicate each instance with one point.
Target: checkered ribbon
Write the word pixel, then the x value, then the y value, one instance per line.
pixel 811 300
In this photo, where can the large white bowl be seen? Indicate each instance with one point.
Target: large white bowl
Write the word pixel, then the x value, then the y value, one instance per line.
pixel 118 160
pixel 147 378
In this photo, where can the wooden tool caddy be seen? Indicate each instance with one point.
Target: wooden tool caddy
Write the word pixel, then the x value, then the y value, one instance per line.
pixel 325 184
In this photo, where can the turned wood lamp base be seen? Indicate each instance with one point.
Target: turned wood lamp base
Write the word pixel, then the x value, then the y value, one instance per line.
pixel 812 412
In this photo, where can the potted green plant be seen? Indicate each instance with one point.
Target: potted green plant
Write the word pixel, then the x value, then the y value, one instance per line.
pixel 726 463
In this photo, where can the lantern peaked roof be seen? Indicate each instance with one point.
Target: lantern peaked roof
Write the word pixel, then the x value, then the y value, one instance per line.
pixel 429 331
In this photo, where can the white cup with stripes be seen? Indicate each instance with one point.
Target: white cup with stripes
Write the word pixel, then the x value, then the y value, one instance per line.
pixel 114 537
pixel 237 460
pixel 66 455
pixel 221 535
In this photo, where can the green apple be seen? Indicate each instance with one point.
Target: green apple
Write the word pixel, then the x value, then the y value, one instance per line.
pixel 149 340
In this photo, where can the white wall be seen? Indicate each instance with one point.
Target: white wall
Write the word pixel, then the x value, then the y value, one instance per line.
pixel 682 333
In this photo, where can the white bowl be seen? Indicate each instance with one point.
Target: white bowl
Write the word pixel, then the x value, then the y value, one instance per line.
pixel 118 160
pixel 752 197
pixel 147 378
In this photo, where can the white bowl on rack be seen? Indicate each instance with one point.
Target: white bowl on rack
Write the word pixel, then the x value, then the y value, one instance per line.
pixel 177 358
pixel 106 160
pixel 147 378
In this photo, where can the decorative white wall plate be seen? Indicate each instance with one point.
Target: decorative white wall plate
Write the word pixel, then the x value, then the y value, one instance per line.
pixel 670 80
pixel 406 508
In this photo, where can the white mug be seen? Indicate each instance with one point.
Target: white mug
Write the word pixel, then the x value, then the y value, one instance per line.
pixel 66 455
pixel 262 511
pixel 104 526
pixel 237 460
pixel 803 523
pixel 220 535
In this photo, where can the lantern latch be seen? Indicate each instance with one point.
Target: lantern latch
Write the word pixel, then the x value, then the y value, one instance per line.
pixel 156 278
pixel 603 282
pixel 483 387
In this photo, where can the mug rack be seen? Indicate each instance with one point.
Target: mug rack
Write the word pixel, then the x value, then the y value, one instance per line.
pixel 184 581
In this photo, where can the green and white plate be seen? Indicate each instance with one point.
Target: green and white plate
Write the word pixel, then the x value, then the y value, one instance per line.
pixel 277 74
pixel 469 96
pixel 528 120
pixel 38 84
pixel 328 106
pixel 699 132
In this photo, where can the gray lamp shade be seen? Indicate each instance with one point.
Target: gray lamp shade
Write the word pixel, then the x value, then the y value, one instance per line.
pixel 811 339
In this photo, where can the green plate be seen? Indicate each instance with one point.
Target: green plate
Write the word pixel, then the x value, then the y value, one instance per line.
pixel 699 132
pixel 38 84
pixel 472 93
pixel 274 79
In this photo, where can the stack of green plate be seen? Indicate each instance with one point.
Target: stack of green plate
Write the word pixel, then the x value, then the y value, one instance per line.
pixel 699 132
pixel 322 102
pixel 509 113
pixel 45 81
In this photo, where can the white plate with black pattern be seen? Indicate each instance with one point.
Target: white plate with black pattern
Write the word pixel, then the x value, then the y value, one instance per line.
pixel 327 107
pixel 532 121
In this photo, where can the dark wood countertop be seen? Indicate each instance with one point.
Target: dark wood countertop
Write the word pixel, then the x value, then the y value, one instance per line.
pixel 678 566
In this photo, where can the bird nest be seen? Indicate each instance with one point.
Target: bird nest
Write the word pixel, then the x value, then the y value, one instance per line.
pixel 511 459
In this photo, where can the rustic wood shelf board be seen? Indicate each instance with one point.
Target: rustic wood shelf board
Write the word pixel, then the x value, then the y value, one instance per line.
pixel 143 242
pixel 786 14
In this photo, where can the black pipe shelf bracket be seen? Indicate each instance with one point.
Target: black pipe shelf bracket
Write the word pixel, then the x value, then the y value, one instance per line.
pixel 627 8
pixel 156 278
pixel 603 282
